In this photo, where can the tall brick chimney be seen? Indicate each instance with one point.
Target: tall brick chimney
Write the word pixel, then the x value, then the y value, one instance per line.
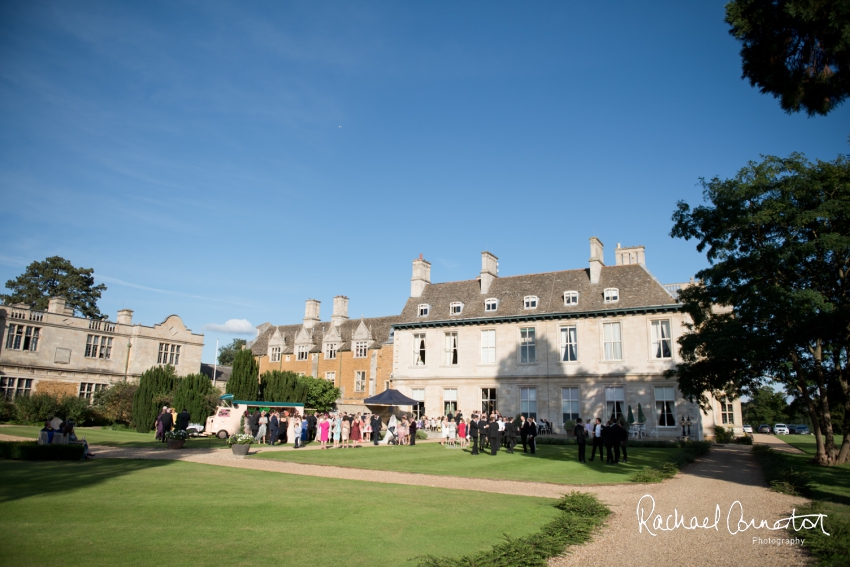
pixel 489 270
pixel 311 313
pixel 597 255
pixel 421 276
pixel 340 314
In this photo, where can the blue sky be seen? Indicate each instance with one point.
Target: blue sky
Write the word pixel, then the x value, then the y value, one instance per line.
pixel 230 160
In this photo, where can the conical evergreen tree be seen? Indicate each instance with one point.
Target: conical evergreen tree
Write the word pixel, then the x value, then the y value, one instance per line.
pixel 243 383
pixel 153 382
pixel 195 392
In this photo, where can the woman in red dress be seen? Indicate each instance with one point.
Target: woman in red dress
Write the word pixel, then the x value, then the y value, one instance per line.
pixel 355 431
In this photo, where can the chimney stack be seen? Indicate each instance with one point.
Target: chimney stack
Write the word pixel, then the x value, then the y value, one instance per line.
pixel 421 276
pixel 489 270
pixel 596 259
pixel 631 255
pixel 311 313
pixel 56 305
pixel 125 317
pixel 340 314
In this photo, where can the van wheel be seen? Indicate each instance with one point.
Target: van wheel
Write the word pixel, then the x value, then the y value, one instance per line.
pixel 221 434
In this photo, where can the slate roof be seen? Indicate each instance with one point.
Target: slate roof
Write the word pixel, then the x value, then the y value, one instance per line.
pixel 637 288
pixel 222 373
pixel 378 326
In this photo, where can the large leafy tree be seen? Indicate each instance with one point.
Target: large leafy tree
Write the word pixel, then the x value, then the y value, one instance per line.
pixel 227 353
pixel 244 379
pixel 56 276
pixel 321 394
pixel 155 384
pixel 796 50
pixel 765 406
pixel 774 305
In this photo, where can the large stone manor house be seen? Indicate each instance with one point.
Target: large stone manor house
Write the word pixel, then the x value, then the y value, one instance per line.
pixel 587 342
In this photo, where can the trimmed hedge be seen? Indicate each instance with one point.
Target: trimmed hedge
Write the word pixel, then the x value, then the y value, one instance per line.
pixel 32 451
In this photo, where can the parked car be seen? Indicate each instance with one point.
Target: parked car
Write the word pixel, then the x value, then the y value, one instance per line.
pixel 803 429
pixel 780 429
pixel 764 428
pixel 748 429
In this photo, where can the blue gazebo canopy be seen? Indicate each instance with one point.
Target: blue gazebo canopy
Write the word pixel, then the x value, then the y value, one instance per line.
pixel 390 398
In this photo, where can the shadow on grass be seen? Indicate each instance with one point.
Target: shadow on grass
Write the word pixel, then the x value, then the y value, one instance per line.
pixel 564 454
pixel 22 479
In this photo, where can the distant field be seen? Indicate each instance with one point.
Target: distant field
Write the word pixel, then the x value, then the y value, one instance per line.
pixel 552 463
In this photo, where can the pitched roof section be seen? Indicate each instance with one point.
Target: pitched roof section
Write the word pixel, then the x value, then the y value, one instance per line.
pixel 379 328
pixel 637 288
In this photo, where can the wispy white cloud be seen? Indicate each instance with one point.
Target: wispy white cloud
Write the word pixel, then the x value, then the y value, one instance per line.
pixel 116 281
pixel 233 327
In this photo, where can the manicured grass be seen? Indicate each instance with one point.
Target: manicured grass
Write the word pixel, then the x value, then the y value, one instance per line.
pixel 143 512
pixel 806 443
pixel 124 438
pixel 552 463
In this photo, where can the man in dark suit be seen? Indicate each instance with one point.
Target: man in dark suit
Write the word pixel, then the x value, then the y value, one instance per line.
pixel 624 440
pixel 616 440
pixel 167 423
pixel 311 426
pixel 274 428
pixel 254 422
pixel 608 441
pixel 376 429
pixel 412 430
pixel 182 420
pixel 532 435
pixel 510 435
pixel 581 441
pixel 473 432
pixel 482 431
pixel 597 440
pixel 523 433
pixel 493 434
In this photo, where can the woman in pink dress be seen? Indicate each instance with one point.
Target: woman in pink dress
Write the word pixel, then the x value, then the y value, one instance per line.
pixel 324 428
pixel 461 433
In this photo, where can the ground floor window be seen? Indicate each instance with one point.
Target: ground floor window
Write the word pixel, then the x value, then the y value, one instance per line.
pixel 418 394
pixel 87 389
pixel 330 376
pixel 449 401
pixel 10 388
pixel 488 400
pixel 569 404
pixel 665 406
pixel 528 402
pixel 360 381
pixel 727 413
pixel 615 399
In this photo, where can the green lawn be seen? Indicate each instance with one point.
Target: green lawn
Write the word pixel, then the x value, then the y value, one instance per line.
pixel 832 484
pixel 125 438
pixel 142 512
pixel 552 463
pixel 806 443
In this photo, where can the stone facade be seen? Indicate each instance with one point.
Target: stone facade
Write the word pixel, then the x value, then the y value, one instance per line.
pixel 55 351
pixel 578 343
pixel 356 354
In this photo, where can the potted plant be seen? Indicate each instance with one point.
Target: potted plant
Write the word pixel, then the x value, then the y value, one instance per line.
pixel 240 444
pixel 175 439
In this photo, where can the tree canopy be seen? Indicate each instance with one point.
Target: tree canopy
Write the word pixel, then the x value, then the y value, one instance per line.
pixel 56 276
pixel 154 384
pixel 796 50
pixel 227 353
pixel 774 305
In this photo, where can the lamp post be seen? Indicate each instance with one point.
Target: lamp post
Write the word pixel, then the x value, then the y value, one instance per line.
pixel 682 421
pixel 688 422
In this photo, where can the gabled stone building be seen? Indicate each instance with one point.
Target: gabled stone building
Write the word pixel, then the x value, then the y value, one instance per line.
pixel 56 351
pixel 584 343
pixel 354 354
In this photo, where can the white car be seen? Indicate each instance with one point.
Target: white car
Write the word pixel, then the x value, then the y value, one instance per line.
pixel 748 429
pixel 780 429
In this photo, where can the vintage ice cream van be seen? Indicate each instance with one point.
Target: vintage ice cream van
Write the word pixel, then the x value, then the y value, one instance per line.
pixel 228 415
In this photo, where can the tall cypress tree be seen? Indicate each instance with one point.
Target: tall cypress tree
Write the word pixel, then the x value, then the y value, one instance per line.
pixel 243 382
pixel 283 386
pixel 152 383
pixel 195 393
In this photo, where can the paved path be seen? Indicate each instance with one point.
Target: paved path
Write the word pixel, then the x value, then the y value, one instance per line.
pixel 727 474
pixel 775 442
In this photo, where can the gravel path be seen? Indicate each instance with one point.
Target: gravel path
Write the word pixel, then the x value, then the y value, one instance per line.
pixel 727 474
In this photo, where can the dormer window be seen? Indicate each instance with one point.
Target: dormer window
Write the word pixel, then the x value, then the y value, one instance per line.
pixel 491 304
pixel 424 309
pixel 530 302
pixel 274 354
pixel 455 307
pixel 302 352
pixel 330 351
pixel 612 295
pixel 570 298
